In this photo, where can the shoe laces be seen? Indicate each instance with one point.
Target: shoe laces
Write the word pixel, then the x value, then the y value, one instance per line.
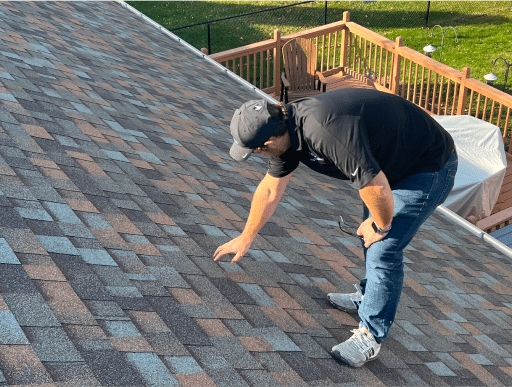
pixel 357 297
pixel 363 341
pixel 358 290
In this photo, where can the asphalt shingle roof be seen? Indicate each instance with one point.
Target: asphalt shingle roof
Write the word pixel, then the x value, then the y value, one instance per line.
pixel 116 187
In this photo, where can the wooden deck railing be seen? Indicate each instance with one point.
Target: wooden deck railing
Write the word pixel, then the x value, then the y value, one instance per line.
pixel 390 65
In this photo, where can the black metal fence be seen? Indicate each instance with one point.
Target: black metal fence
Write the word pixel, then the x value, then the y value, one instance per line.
pixel 242 29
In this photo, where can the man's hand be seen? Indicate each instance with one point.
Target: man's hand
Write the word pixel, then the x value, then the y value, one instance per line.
pixel 238 246
pixel 368 234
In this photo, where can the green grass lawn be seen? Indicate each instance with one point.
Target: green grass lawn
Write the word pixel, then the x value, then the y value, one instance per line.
pixel 484 27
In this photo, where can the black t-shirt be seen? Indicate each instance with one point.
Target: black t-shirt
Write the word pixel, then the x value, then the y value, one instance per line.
pixel 353 134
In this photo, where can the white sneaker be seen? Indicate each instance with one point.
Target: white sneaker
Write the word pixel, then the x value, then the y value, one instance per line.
pixel 359 349
pixel 346 302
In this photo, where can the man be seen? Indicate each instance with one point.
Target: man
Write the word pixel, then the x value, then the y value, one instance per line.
pixel 400 159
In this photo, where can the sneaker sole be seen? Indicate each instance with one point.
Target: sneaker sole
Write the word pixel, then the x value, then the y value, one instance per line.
pixel 339 358
pixel 341 308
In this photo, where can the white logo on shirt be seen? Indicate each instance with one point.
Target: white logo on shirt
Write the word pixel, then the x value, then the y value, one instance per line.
pixel 355 172
pixel 258 108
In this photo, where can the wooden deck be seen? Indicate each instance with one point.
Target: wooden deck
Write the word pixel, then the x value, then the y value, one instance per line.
pixel 344 80
pixel 505 198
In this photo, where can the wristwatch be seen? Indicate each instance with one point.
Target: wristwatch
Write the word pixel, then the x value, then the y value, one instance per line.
pixel 378 230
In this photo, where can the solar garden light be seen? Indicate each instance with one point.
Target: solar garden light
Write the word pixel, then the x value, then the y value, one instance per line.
pixel 491 77
pixel 442 40
pixel 429 50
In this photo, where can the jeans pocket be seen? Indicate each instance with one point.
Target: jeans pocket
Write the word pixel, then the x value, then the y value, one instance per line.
pixel 450 181
pixel 433 178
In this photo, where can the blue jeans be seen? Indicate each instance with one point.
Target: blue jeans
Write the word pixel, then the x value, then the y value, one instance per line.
pixel 416 197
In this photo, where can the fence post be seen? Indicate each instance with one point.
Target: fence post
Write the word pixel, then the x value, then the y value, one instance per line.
pixel 426 16
pixel 395 71
pixel 325 13
pixel 209 42
pixel 344 39
pixel 463 91
pixel 277 63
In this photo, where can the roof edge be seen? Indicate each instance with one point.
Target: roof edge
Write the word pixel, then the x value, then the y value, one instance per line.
pixel 475 231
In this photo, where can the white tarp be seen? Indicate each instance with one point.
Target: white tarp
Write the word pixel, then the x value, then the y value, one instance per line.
pixel 482 165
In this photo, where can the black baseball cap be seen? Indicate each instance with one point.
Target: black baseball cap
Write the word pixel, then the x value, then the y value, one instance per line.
pixel 251 126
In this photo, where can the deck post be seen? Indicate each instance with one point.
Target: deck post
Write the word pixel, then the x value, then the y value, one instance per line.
pixel 344 39
pixel 277 63
pixel 395 71
pixel 463 91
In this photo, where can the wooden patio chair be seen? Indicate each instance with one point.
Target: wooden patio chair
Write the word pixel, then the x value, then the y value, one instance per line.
pixel 300 78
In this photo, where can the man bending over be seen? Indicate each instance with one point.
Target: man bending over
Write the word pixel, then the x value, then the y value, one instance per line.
pixel 399 158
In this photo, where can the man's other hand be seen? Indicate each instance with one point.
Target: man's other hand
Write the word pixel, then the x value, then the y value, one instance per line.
pixel 368 234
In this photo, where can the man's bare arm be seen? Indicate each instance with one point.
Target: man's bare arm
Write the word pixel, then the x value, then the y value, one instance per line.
pixel 264 202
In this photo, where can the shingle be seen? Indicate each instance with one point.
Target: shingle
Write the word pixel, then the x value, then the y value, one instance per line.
pixel 104 309
pixel 209 358
pixel 111 368
pixel 198 311
pixel 64 302
pixel 62 212
pixel 232 291
pixel 76 373
pixel 179 261
pixel 152 369
pixel 10 331
pixel 440 369
pixel 493 346
pixel 120 328
pixel 123 291
pixel 20 365
pixel 94 256
pixel 258 294
pixel 56 244
pixel 166 344
pixel 235 353
pixel 309 346
pixel 227 378
pixel 277 339
pixel 111 276
pixel 94 220
pixel 82 278
pixel 168 276
pixel 182 364
pixel 52 344
pixel 331 369
pixel 303 366
pixel 136 302
pixel 30 309
pixel 254 316
pixel 257 378
pixel 239 327
pixel 6 253
pixel 9 217
pixel 185 329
